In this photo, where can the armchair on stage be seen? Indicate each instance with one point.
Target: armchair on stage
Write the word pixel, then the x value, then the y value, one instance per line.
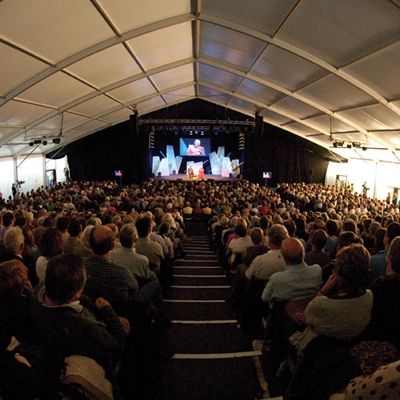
pixel 220 165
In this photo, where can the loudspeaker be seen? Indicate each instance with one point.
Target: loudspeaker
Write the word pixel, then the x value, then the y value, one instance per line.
pixel 259 124
pixel 133 120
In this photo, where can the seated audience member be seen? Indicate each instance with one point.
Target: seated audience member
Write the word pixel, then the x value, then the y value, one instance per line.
pixel 379 245
pixel 29 246
pixel 298 280
pixel 8 222
pixel 187 211
pixel 265 265
pixel 345 314
pixel 85 250
pixel 317 255
pixel 163 231
pixel 127 256
pixel 146 247
pixel 343 240
pixel 51 245
pixel 370 245
pixel 314 226
pixel 15 315
pixel 109 280
pixel 73 244
pixel 14 242
pixel 349 225
pixel 37 235
pixel 238 245
pixel 62 225
pixel 385 319
pixel 18 381
pixel 331 228
pixel 378 261
pixel 256 249
pixel 69 323
pixel 249 282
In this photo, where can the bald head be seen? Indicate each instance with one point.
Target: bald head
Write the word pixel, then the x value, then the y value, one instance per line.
pixel 292 251
pixel 102 240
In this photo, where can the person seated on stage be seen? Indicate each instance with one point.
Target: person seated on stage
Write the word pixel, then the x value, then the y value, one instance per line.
pixel 195 149
pixel 200 174
pixel 190 173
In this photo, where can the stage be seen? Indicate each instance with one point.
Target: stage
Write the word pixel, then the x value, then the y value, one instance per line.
pixel 184 177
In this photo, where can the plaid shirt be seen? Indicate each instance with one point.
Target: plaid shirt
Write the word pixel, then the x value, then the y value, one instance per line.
pixel 109 280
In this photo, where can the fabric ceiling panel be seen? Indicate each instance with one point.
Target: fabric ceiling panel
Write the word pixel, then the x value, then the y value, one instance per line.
pixel 275 118
pixel 132 14
pixel 338 31
pixel 163 46
pixel 264 16
pixel 335 93
pixel 117 116
pixel 43 92
pixel 132 91
pixel 106 67
pixel 180 95
pixel 394 138
pixel 286 69
pixel 16 67
pixel 6 132
pixel 245 106
pixel 379 71
pixel 371 118
pixel 16 113
pixel 95 106
pixel 91 126
pixel 303 130
pixel 173 77
pixel 151 105
pixel 229 47
pixel 68 119
pixel 291 106
pixel 261 93
pixel 213 95
pixel 323 122
pixel 219 77
pixel 75 25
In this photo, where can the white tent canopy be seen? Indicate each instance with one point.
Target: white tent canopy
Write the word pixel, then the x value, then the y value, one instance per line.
pixel 326 70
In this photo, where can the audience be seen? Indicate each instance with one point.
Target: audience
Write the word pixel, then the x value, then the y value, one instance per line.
pixel 128 277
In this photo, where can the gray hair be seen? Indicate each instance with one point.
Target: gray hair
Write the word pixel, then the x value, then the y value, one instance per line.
pixel 13 240
pixel 277 234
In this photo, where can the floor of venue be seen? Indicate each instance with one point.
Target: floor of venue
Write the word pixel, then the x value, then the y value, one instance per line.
pixel 214 358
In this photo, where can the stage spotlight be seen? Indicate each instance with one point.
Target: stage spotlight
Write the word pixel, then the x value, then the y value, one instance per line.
pixel 190 133
pixel 30 143
pixel 334 144
pixel 56 140
pixel 364 148
pixel 37 141
pixel 44 143
pixel 349 146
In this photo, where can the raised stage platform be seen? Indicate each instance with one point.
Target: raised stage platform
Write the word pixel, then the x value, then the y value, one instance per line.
pixel 184 177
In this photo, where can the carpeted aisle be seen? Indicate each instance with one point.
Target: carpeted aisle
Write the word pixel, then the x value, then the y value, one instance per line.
pixel 213 358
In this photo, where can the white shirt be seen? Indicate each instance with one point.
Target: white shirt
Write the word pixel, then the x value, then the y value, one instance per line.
pixel 265 265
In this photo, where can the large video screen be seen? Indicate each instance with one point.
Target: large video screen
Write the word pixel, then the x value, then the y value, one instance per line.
pixel 194 146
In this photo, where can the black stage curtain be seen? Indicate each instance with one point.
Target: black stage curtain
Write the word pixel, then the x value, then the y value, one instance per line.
pixel 125 147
